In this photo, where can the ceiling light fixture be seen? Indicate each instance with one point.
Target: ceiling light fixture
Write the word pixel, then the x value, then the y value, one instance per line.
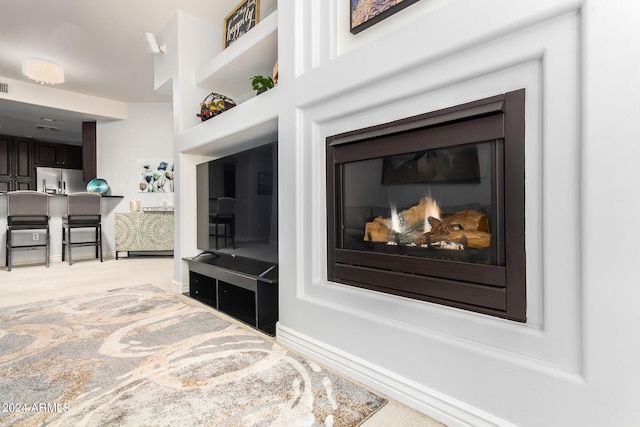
pixel 43 71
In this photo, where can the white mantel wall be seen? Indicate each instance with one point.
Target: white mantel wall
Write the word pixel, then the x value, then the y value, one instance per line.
pixel 562 367
pixel 575 361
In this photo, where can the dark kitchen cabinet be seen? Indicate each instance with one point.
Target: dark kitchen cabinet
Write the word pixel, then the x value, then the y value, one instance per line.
pixel 16 164
pixel 58 155
pixel 89 138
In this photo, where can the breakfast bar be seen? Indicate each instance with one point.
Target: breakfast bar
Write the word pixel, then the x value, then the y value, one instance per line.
pixel 57 209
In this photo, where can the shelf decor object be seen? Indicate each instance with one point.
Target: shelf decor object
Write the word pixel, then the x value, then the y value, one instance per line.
pixel 97 185
pixel 275 73
pixel 365 13
pixel 241 19
pixel 261 83
pixel 213 105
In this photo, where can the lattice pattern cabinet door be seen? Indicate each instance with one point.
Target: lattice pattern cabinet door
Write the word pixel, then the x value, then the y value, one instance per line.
pixel 144 231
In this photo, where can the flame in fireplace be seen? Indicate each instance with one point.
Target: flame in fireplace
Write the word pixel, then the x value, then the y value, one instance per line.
pixel 432 209
pixel 410 224
pixel 395 220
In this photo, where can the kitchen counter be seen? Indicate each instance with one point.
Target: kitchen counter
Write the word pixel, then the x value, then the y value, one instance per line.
pixel 4 193
pixel 57 209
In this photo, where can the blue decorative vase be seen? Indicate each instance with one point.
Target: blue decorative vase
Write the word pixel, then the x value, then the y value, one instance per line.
pixel 97 185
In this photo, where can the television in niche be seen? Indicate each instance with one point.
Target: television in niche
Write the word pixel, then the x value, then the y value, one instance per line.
pixel 237 205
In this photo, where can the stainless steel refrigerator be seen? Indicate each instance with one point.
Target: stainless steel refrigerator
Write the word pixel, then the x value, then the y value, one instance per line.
pixel 59 181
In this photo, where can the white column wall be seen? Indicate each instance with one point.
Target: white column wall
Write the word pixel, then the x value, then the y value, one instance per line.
pixel 561 367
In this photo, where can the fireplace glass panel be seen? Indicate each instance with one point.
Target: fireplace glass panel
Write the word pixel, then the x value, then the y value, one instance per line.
pixel 436 203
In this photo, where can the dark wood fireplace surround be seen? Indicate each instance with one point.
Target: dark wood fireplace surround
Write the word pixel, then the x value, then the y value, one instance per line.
pixel 496 290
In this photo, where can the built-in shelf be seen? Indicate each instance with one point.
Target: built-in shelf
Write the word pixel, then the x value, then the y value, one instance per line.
pixel 248 125
pixel 254 120
pixel 255 53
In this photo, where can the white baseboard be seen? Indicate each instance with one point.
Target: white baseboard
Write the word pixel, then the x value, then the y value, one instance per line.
pixel 417 396
pixel 178 287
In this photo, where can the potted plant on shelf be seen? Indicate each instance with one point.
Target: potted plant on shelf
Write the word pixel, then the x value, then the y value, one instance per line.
pixel 261 83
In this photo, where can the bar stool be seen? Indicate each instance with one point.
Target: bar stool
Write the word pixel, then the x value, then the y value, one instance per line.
pixel 26 210
pixel 83 211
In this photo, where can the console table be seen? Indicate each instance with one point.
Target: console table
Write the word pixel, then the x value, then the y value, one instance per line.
pixel 244 288
pixel 144 231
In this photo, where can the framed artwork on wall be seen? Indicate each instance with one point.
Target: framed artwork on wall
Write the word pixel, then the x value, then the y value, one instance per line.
pixel 365 13
pixel 155 175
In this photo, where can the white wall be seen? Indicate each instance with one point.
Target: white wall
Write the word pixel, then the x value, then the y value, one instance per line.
pixel 146 134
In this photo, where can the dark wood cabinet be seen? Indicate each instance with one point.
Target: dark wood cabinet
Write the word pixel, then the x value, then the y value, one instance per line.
pixel 73 157
pixel 58 155
pixel 16 164
pixel 89 139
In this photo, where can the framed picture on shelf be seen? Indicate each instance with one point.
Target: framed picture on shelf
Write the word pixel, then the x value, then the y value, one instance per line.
pixel 365 13
pixel 241 19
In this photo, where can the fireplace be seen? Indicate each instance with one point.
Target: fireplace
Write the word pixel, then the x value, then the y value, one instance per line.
pixel 431 207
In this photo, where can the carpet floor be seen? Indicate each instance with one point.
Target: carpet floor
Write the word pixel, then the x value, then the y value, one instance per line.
pixel 142 356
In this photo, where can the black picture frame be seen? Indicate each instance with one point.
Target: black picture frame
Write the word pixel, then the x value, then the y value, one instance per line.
pixel 377 11
pixel 240 20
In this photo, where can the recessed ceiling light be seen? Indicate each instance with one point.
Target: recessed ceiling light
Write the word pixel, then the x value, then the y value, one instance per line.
pixel 47 119
pixel 51 128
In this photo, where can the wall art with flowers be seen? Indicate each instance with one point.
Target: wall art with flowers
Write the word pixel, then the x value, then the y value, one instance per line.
pixel 155 176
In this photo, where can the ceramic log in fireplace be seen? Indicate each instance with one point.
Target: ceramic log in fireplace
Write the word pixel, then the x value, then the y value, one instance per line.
pixel 431 207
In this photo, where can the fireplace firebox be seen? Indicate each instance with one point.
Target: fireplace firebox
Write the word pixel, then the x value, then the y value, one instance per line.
pixel 431 207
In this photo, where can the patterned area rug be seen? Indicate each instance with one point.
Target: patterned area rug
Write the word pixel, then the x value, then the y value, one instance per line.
pixel 145 357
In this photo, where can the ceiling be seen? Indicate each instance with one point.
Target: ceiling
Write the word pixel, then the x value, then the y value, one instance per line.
pixel 99 44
